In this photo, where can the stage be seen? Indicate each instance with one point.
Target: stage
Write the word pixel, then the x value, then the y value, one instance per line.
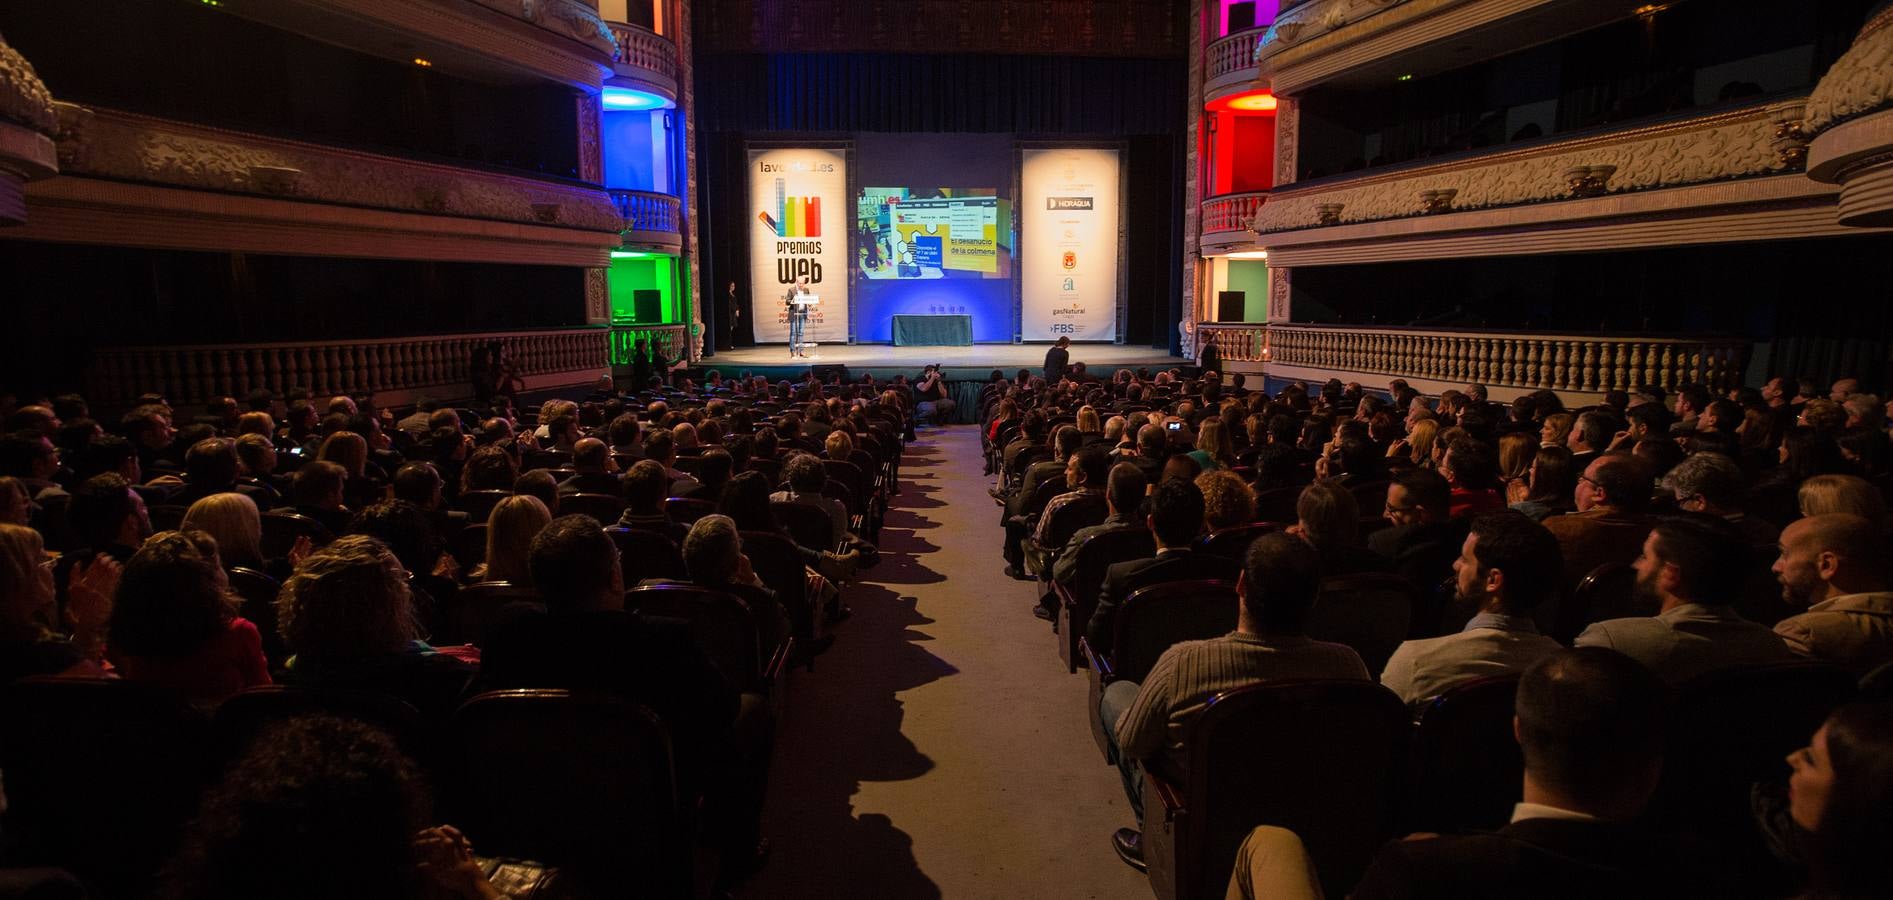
pixel 1101 359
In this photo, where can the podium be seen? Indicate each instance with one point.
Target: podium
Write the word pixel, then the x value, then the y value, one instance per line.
pixel 807 301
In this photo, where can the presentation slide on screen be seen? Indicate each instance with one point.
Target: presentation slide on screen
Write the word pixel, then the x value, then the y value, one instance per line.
pixel 915 234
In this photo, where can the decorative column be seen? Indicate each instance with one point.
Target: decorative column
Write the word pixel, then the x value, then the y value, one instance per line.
pixel 1194 280
pixel 27 124
pixel 1287 128
pixel 687 113
pixel 597 298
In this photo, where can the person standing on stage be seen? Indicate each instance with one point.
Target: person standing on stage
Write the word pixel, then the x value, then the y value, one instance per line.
pixel 798 316
pixel 1056 359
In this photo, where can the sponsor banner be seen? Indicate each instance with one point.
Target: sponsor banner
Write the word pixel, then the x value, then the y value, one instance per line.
pixel 799 199
pixel 1068 238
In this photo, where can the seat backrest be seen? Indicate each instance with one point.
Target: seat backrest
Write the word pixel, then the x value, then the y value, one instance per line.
pixel 244 715
pixel 1083 512
pixel 584 782
pixel 101 775
pixel 1277 504
pixel 281 528
pixel 839 490
pixel 479 504
pixel 468 546
pixel 1468 770
pixel 848 474
pixel 1097 553
pixel 1370 496
pixel 1233 542
pixel 778 565
pixel 467 618
pixel 166 516
pixel 258 592
pixel 1369 612
pixel 1608 592
pixel 1734 728
pixel 545 459
pixel 720 624
pixel 1320 758
pixel 1044 491
pixel 1154 618
pixel 811 526
pixel 603 507
pixel 647 554
pixel 687 510
pixel 691 464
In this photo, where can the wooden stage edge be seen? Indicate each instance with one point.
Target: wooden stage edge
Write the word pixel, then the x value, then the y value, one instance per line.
pixel 1007 357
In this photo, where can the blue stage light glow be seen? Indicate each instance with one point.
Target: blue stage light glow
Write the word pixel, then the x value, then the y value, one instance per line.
pixel 623 98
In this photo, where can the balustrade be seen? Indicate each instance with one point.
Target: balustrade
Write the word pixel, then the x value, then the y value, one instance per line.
pixel 647 211
pixel 642 48
pixel 1228 55
pixel 1581 363
pixel 190 375
pixel 1238 343
pixel 1232 212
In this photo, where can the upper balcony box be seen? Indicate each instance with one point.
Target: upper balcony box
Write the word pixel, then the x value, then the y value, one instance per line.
pixel 1229 63
pixel 645 62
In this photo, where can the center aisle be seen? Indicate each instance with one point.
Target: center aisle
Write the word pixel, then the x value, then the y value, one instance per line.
pixel 939 748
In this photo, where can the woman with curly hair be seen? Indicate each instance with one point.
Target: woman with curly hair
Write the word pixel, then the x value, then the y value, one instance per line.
pixel 321 807
pixel 347 616
pixel 175 623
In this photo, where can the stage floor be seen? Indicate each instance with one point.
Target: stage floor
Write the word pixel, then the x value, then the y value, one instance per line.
pixel 991 356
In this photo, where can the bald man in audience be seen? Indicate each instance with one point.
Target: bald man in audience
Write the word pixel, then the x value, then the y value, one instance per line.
pixel 1835 565
pixel 594 470
pixel 1691 569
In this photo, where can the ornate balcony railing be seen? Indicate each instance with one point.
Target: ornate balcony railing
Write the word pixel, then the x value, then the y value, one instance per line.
pixel 1229 56
pixel 1586 363
pixel 1237 342
pixel 1232 212
pixel 643 49
pixel 390 366
pixel 647 211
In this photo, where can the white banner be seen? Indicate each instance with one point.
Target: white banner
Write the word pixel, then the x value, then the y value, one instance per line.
pixel 1068 238
pixel 799 199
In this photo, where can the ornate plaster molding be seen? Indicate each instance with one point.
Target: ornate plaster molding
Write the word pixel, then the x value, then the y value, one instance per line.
pixel 129 147
pixel 1738 144
pixel 24 99
pixel 1860 82
pixel 27 122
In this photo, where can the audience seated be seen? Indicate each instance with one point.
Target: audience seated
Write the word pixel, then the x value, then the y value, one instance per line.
pixel 174 622
pixel 1507 567
pixel 37 635
pixel 646 485
pixel 319 493
pixel 1148 722
pixel 595 471
pixel 1835 565
pixel 509 532
pixel 1591 723
pixel 1840 794
pixel 1690 570
pixel 1085 474
pixel 1328 518
pixel 1423 540
pixel 108 517
pixel 232 521
pixel 1175 520
pixel 347 616
pixel 1609 525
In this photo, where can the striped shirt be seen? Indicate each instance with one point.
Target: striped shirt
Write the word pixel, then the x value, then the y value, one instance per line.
pixel 1189 674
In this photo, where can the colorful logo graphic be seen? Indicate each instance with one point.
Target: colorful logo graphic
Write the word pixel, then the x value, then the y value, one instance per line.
pixel 795 217
pixel 1071 259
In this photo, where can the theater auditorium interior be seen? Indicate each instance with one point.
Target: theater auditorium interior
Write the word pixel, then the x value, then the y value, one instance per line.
pixel 750 449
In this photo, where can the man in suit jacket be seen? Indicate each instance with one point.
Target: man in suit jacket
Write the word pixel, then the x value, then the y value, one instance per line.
pixel 1424 539
pixel 1057 359
pixel 592 466
pixel 1591 724
pixel 1176 518
pixel 1692 567
pixel 1609 525
pixel 1508 567
pixel 1834 565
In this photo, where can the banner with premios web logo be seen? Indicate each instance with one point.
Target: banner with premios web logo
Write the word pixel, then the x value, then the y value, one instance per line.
pixel 798 201
pixel 1068 240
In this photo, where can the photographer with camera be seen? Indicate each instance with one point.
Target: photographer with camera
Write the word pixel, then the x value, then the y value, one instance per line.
pixel 930 394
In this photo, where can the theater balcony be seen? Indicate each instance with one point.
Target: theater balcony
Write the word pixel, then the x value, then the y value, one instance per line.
pixel 650 219
pixel 1229 221
pixel 1229 63
pixel 644 60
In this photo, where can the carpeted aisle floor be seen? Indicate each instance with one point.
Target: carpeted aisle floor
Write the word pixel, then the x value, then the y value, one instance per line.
pixel 939 749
